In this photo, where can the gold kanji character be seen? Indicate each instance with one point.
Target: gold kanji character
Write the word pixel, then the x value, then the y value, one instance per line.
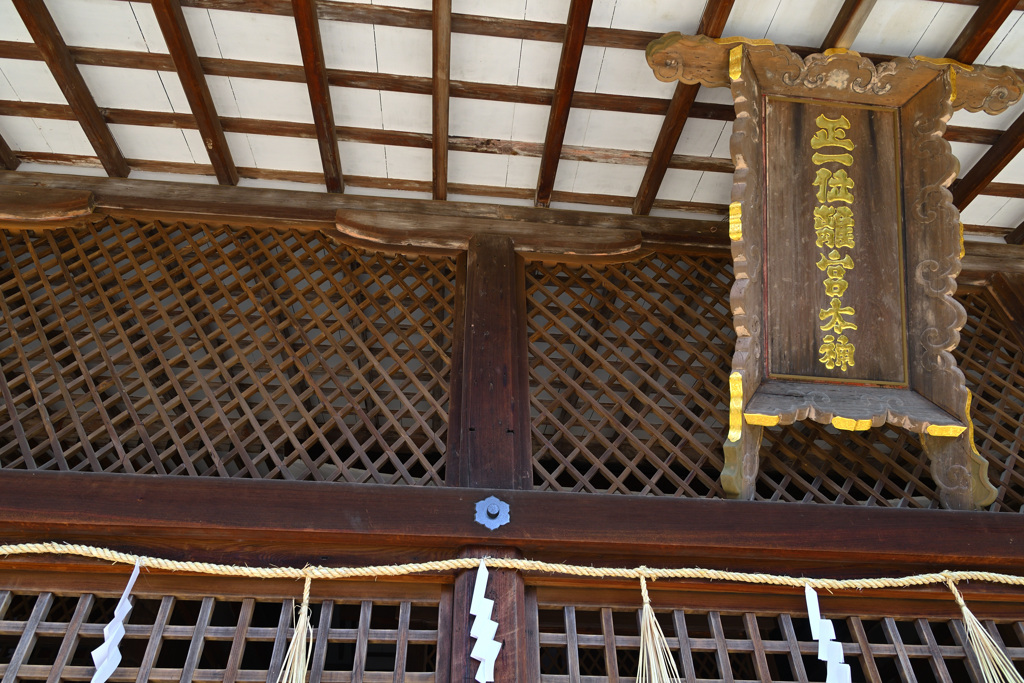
pixel 836 352
pixel 844 159
pixel 833 187
pixel 832 133
pixel 834 227
pixel 834 315
pixel 834 266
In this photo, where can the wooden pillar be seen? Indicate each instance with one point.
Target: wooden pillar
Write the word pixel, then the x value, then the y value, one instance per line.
pixel 489 433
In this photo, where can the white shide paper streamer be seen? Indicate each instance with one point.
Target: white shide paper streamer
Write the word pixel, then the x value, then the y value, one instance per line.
pixel 108 655
pixel 829 651
pixel 486 648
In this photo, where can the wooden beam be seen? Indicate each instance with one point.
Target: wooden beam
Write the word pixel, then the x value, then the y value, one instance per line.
pixel 57 56
pixel 442 57
pixel 193 81
pixel 712 23
pixel 848 23
pixel 1007 291
pixel 988 167
pixel 1016 236
pixel 34 205
pixel 8 160
pixel 986 20
pixel 308 25
pixel 268 522
pixel 561 100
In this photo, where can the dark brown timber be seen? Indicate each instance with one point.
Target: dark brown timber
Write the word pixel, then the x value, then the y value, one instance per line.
pixel 7 158
pixel 848 23
pixel 712 23
pixel 988 167
pixel 561 101
pixel 1008 293
pixel 193 82
pixel 980 29
pixel 308 26
pixel 57 56
pixel 442 37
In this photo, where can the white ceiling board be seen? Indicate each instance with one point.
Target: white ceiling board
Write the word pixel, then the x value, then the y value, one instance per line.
pixel 275 100
pixel 64 137
pixel 289 154
pixel 621 130
pixel 29 81
pixel 223 96
pixel 359 158
pixel 679 185
pixel 406 51
pixel 565 175
pixel 410 163
pixel 659 16
pixel 67 169
pixel 538 63
pixel 477 169
pixel 1007 46
pixel 723 149
pixel 530 122
pixel 522 171
pixel 982 209
pixel 173 177
pixel 101 23
pixel 1013 172
pixel 713 188
pixel 485 59
pixel 602 12
pixel 200 28
pixel 576 126
pixel 357 107
pixel 803 22
pixel 1010 216
pixel 625 72
pixel 149 26
pixel 480 118
pixel 162 144
pixel 700 137
pixel 349 46
pixel 11 25
pixel 22 133
pixel 980 119
pixel 119 88
pixel 590 68
pixel 508 9
pixel 613 179
pixel 554 11
pixel 968 154
pixel 282 185
pixel 408 111
pixel 241 150
pixel 256 37
pixel 751 18
pixel 408 4
pixel 897 27
pixel 943 30
pixel 715 96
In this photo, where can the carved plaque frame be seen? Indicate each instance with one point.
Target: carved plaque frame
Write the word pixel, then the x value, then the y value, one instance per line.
pixel 933 400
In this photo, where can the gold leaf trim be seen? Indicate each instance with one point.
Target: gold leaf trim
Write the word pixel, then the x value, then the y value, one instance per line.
pixel 735 406
pixel 944 62
pixel 850 425
pixel 736 63
pixel 945 430
pixel 963 251
pixel 761 420
pixel 840 51
pixel 735 221
pixel 952 84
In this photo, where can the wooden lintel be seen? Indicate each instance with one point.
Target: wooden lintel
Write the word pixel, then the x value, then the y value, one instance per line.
pixel 42 207
pixel 267 522
pixel 416 234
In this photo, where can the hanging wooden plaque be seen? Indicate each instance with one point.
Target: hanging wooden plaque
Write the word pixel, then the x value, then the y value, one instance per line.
pixel 846 245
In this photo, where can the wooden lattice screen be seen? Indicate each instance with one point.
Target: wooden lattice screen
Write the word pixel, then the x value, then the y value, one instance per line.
pixel 629 386
pixel 214 351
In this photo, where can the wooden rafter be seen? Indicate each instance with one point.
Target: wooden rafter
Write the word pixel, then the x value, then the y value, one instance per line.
pixel 988 167
pixel 193 82
pixel 848 23
pixel 308 25
pixel 442 57
pixel 712 23
pixel 1016 236
pixel 980 29
pixel 7 157
pixel 57 56
pixel 1007 291
pixel 561 100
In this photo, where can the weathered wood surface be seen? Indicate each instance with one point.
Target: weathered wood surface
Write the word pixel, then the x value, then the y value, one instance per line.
pixel 441 58
pixel 409 233
pixel 41 206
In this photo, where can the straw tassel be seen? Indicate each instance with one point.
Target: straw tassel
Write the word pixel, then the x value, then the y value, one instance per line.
pixel 296 661
pixel 995 665
pixel 656 662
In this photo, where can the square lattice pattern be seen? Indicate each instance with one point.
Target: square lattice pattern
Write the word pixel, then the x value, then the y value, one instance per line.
pixel 215 351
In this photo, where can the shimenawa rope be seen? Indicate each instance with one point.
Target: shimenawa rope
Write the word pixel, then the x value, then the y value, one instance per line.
pixel 657 663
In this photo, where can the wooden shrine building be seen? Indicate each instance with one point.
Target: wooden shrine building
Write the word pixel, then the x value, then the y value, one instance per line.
pixel 349 284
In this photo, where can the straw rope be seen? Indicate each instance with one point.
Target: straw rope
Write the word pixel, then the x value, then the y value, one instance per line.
pixel 375 571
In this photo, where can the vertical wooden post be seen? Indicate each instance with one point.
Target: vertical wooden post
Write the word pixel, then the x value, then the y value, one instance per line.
pixel 489 433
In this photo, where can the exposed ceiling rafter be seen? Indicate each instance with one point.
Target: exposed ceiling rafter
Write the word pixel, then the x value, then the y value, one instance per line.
pixel 308 26
pixel 848 23
pixel 8 160
pixel 193 82
pixel 58 58
pixel 988 167
pixel 980 29
pixel 712 23
pixel 561 100
pixel 442 57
